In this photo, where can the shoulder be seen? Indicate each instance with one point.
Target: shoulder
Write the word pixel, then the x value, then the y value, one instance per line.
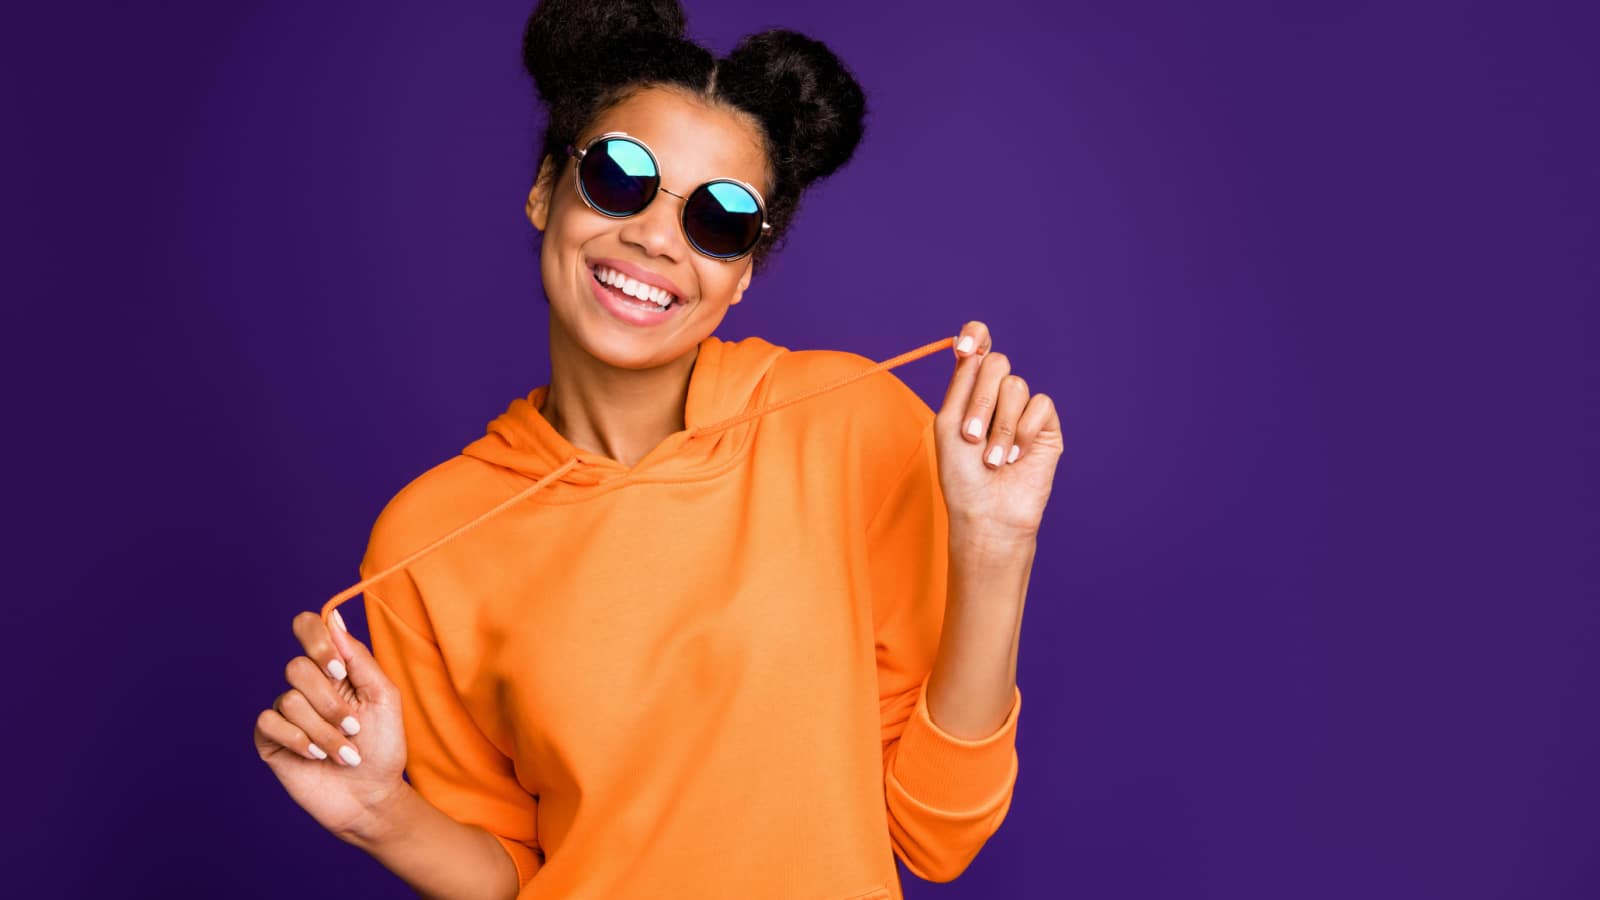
pixel 880 397
pixel 429 506
pixel 876 423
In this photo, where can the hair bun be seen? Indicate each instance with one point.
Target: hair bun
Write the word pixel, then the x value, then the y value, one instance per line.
pixel 566 41
pixel 585 55
pixel 813 108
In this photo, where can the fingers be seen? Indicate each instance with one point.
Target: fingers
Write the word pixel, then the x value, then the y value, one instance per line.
pixel 366 677
pixel 322 692
pixel 973 338
pixel 971 346
pixel 318 643
pixel 1013 396
pixel 985 396
pixel 293 706
pixel 272 729
pixel 994 407
pixel 304 676
pixel 1039 421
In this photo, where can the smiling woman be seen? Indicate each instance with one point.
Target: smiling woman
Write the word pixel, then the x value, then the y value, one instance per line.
pixel 697 142
pixel 685 171
pixel 675 626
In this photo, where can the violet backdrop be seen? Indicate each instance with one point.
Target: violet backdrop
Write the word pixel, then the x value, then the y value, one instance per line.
pixel 1310 284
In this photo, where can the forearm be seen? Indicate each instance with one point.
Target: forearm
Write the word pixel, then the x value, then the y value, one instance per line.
pixel 438 857
pixel 973 683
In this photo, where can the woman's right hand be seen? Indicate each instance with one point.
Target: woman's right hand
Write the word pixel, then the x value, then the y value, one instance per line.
pixel 334 739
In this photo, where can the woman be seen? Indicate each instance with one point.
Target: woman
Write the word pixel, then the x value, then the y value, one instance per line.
pixel 723 620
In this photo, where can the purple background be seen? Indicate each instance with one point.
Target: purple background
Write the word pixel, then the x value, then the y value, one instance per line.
pixel 1311 287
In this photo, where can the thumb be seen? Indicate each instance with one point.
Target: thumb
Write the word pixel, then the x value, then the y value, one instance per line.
pixel 365 675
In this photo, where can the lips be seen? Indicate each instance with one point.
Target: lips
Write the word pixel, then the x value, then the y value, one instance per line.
pixel 637 273
pixel 627 309
pixel 627 297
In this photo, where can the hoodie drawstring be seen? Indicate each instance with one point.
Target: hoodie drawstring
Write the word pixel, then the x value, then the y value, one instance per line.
pixel 358 587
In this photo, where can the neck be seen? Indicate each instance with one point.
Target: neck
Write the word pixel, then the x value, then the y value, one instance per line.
pixel 620 413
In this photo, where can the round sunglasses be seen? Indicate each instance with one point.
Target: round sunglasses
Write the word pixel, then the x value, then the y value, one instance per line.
pixel 618 176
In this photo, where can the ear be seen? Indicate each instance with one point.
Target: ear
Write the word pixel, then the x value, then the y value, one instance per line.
pixel 744 281
pixel 538 206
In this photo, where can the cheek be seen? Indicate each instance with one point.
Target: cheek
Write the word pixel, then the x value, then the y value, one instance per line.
pixel 561 254
pixel 570 225
pixel 719 286
pixel 561 259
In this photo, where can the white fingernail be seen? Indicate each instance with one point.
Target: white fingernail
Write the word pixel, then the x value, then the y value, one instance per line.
pixel 965 345
pixel 336 669
pixel 1015 449
pixel 349 755
pixel 350 725
pixel 994 456
pixel 338 622
pixel 974 428
pixel 318 752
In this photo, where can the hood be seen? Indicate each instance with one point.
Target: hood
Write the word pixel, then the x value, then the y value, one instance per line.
pixel 728 388
pixel 727 379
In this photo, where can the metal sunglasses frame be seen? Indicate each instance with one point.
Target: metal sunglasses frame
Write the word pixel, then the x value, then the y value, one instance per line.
pixel 577 178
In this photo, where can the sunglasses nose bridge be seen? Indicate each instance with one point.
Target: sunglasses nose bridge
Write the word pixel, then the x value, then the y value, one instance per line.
pixel 650 235
pixel 682 211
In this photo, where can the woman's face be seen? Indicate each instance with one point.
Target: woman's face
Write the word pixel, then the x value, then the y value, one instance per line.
pixel 693 144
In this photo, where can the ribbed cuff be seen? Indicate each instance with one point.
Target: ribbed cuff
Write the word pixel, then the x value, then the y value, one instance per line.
pixel 526 859
pixel 953 774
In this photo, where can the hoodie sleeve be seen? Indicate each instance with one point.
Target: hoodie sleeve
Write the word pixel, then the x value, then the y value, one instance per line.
pixel 449 761
pixel 945 795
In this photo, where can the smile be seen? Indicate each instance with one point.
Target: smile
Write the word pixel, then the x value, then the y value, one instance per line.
pixel 630 301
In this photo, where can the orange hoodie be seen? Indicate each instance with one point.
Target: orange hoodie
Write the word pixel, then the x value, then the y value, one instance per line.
pixel 704 676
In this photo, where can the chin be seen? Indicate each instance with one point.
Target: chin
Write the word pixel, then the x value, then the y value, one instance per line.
pixel 617 345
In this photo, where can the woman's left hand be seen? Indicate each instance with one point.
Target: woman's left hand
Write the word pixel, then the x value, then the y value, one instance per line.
pixel 997 446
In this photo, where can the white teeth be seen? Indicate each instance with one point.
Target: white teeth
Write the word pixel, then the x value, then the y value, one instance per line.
pixel 636 289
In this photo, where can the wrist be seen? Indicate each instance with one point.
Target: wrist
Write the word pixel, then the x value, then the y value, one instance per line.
pixel 982 542
pixel 384 819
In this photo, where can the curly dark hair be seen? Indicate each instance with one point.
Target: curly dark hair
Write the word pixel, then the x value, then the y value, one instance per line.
pixel 586 56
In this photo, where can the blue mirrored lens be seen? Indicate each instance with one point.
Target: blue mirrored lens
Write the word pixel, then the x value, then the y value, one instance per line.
pixel 619 176
pixel 722 219
pixel 734 199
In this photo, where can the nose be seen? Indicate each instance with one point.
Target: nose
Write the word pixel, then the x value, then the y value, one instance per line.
pixel 656 230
